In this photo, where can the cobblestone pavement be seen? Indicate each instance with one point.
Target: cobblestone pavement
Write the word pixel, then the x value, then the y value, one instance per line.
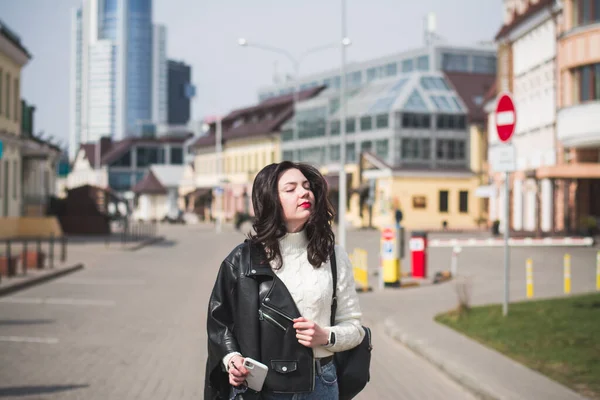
pixel 131 325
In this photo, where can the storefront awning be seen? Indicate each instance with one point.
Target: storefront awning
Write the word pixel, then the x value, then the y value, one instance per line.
pixel 485 191
pixel 570 171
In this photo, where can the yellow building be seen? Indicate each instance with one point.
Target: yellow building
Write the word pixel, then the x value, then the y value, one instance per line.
pixel 429 199
pixel 13 57
pixel 251 140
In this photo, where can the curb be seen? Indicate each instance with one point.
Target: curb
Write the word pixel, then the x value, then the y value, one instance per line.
pixel 146 242
pixel 39 279
pixel 453 371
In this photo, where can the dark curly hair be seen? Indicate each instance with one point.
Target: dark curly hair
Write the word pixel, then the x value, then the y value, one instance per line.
pixel 269 224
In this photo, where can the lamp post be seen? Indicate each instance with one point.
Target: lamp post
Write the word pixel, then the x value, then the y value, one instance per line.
pixel 343 190
pixel 219 154
pixel 296 65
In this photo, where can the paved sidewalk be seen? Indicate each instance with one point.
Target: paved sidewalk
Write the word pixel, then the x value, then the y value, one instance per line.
pixel 408 316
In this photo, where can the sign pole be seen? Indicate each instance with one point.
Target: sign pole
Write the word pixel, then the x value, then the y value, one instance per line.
pixel 506 236
pixel 504 160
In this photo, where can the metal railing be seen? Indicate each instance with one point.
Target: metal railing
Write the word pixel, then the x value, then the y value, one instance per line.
pixel 16 249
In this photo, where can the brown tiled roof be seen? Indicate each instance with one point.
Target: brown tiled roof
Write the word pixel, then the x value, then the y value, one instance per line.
pixel 491 93
pixel 149 185
pixel 517 19
pixel 469 86
pixel 281 109
pixel 90 150
pixel 111 151
pixel 11 37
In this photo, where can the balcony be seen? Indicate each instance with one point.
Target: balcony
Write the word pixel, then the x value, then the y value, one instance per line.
pixel 579 125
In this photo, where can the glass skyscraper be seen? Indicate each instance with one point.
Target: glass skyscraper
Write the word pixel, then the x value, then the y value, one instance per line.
pixel 111 70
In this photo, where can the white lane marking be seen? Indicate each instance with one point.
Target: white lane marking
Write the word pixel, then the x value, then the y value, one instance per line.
pixel 108 282
pixel 56 301
pixel 24 339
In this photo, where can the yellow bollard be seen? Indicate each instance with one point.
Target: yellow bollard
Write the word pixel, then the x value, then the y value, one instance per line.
pixel 361 270
pixel 567 273
pixel 529 277
pixel 598 271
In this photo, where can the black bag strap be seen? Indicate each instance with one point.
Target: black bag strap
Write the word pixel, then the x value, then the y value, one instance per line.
pixel 334 280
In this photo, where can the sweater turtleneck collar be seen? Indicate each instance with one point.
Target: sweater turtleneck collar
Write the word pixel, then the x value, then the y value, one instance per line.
pixel 293 243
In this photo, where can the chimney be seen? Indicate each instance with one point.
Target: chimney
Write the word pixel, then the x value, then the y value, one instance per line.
pixel 105 145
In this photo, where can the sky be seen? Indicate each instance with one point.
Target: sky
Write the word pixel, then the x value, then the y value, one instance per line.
pixel 204 34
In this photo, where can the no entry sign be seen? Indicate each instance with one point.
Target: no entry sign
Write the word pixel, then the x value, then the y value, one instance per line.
pixel 506 117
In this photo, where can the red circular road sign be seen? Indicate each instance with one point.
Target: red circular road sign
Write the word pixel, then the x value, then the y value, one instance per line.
pixel 387 234
pixel 506 117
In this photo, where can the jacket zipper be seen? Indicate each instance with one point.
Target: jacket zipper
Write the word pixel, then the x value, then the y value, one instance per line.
pixel 278 312
pixel 312 368
pixel 262 316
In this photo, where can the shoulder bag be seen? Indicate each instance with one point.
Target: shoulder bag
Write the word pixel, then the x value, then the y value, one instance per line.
pixel 352 365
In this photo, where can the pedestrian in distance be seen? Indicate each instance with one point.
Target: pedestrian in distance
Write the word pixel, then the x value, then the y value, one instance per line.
pixel 272 298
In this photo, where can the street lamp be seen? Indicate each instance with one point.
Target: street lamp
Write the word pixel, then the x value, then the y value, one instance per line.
pixel 345 42
pixel 218 188
pixel 343 190
pixel 296 61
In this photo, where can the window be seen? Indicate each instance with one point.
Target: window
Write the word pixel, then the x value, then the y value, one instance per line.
pixel 7 112
pixel 334 128
pixel 450 149
pixel 382 148
pixel 366 146
pixel 410 120
pixel 15 179
pixel 350 125
pixel 288 155
pixel 410 148
pixel 484 64
pixel 17 101
pixel 354 78
pixel 176 156
pixel 371 74
pixel 585 12
pixel 287 135
pixel 455 62
pixel 119 180
pixel 391 69
pixel 423 63
pixel 419 202
pixel 407 65
pixel 381 121
pixel 443 207
pixel 334 153
pixel 147 156
pixel 463 201
pixel 451 122
pixel 350 152
pixel 587 83
pixel 366 123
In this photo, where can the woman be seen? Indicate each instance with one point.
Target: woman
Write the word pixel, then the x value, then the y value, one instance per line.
pixel 272 297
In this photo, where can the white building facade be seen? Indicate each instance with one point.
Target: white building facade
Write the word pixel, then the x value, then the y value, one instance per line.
pixel 532 65
pixel 159 74
pixel 111 70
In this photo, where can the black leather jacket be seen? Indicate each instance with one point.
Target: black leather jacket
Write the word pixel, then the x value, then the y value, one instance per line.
pixel 251 311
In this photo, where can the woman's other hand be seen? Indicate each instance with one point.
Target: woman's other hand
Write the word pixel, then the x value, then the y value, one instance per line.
pixel 309 333
pixel 237 371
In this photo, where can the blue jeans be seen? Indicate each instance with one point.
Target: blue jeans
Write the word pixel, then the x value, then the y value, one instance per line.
pixel 326 388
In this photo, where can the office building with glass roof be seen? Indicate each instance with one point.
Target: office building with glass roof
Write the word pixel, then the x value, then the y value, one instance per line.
pixel 415 120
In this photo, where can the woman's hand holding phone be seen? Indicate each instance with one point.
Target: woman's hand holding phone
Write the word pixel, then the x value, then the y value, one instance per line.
pixel 237 371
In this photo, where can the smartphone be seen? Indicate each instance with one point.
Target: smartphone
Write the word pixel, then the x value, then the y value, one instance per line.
pixel 257 374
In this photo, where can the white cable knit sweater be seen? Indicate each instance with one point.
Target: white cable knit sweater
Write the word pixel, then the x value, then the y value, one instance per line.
pixel 312 291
